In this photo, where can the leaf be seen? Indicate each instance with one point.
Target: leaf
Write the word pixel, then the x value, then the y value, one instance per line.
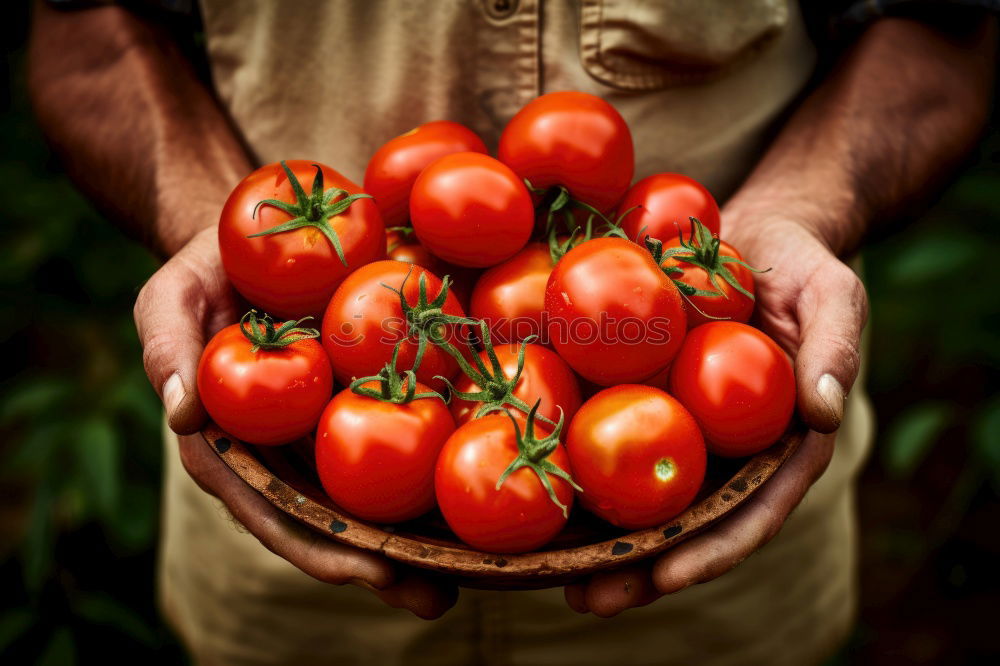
pixel 912 435
pixel 30 456
pixel 61 650
pixel 98 451
pixel 38 541
pixel 33 397
pixel 986 440
pixel 13 624
pixel 134 523
pixel 933 257
pixel 104 610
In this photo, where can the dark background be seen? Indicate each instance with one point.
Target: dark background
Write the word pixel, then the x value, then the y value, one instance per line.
pixel 80 446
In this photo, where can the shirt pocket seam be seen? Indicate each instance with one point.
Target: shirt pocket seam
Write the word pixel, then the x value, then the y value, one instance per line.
pixel 640 77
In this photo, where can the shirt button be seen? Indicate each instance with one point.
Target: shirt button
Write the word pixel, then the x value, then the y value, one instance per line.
pixel 500 9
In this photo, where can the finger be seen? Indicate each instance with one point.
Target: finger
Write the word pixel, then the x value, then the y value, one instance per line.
pixel 608 593
pixel 832 311
pixel 576 599
pixel 426 596
pixel 170 316
pixel 321 558
pixel 709 555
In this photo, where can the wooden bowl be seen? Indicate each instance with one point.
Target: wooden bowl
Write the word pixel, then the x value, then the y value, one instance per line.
pixel 286 477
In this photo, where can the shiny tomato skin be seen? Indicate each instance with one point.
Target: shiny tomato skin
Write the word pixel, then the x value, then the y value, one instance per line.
pixel 638 455
pixel 575 140
pixel 408 249
pixel 294 273
pixel 265 397
pixel 402 247
pixel 545 376
pixel 737 383
pixel 364 321
pixel 376 459
pixel 471 210
pixel 517 518
pixel 731 305
pixel 510 296
pixel 667 201
pixel 395 166
pixel 612 313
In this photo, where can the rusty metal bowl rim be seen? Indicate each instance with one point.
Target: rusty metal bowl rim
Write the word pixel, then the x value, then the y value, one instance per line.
pixel 481 569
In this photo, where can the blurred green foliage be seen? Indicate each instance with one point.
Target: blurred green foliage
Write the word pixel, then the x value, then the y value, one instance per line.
pixel 79 423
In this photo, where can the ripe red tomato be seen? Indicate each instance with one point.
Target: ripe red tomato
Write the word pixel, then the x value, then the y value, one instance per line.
pixel 544 376
pixel 273 395
pixel 519 516
pixel 405 247
pixel 667 201
pixel 393 168
pixel 732 304
pixel 574 140
pixel 737 383
pixel 510 297
pixel 376 459
pixel 365 320
pixel 613 315
pixel 401 246
pixel 637 454
pixel 293 273
pixel 471 210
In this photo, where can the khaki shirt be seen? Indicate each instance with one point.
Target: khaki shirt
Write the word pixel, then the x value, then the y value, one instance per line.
pixel 700 83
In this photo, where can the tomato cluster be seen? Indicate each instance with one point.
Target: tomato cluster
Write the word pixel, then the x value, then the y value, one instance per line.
pixel 600 358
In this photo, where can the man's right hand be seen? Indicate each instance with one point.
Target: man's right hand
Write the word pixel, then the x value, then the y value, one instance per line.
pixel 185 302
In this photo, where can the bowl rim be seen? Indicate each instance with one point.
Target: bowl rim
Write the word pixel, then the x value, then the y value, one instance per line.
pixel 531 569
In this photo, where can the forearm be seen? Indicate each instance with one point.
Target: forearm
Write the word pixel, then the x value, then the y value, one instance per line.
pixel 133 124
pixel 898 114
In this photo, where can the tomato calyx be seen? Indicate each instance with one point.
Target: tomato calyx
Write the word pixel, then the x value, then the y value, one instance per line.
pixel 556 199
pixel 655 247
pixel 427 321
pixel 534 453
pixel 404 233
pixel 701 249
pixel 581 234
pixel 395 387
pixel 311 210
pixel 263 335
pixel 496 391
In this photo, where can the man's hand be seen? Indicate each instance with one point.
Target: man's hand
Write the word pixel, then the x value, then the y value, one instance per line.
pixel 814 307
pixel 182 305
pixel 901 109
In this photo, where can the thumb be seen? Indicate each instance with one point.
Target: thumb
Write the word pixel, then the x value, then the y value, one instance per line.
pixel 832 310
pixel 172 312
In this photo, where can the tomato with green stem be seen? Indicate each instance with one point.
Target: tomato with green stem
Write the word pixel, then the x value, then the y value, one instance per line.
pixel 724 282
pixel 377 445
pixel 286 250
pixel 395 166
pixel 573 142
pixel 471 210
pixel 383 303
pixel 510 297
pixel 614 316
pixel 737 383
pixel 265 383
pixel 518 375
pixel 501 489
pixel 637 454
pixel 663 204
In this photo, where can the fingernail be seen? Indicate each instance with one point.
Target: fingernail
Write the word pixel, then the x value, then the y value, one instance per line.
pixel 832 394
pixel 173 394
